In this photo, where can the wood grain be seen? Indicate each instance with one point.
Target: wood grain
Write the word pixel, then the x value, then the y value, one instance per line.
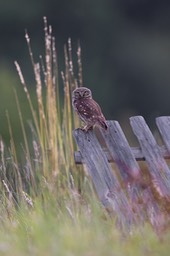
pixel 106 184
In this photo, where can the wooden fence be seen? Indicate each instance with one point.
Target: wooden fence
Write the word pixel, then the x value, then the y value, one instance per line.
pixel 130 194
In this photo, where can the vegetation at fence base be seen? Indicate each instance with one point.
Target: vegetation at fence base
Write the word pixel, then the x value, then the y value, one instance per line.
pixel 48 204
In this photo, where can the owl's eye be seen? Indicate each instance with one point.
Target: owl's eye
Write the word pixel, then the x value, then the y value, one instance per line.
pixel 77 94
pixel 86 94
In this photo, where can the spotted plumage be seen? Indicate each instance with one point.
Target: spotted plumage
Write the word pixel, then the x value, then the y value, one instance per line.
pixel 88 109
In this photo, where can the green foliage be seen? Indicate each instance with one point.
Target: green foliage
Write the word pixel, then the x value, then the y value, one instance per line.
pixel 59 231
pixel 125 45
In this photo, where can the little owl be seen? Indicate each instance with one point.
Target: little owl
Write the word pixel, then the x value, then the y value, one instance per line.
pixel 88 109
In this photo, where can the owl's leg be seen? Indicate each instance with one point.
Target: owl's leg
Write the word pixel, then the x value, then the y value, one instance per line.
pixel 87 127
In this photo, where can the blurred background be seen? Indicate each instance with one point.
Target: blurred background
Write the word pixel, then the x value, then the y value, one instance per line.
pixel 125 53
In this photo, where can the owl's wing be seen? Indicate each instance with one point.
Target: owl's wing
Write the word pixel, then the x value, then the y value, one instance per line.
pixel 89 109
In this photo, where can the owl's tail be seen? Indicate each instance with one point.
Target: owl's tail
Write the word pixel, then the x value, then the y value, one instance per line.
pixel 103 124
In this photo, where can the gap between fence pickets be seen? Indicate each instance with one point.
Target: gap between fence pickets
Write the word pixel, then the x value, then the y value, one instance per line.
pixel 136 151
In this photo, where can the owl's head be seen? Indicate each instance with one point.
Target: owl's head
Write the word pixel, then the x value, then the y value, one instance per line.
pixel 82 92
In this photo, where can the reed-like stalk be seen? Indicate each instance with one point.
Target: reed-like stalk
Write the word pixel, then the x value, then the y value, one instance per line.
pixel 53 121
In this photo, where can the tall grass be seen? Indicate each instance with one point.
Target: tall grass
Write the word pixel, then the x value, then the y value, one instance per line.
pixel 49 162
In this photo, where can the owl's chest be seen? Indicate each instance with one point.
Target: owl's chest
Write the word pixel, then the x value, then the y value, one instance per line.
pixel 81 104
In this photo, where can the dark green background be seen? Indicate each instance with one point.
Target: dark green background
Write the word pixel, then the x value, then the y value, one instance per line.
pixel 125 52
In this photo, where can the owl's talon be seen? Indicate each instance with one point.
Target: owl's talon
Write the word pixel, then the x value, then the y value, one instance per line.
pixel 86 128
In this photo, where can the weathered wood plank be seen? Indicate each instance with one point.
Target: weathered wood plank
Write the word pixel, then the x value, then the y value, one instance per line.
pixel 106 184
pixel 79 158
pixel 137 152
pixel 123 157
pixel 157 166
pixel 120 151
pixel 163 124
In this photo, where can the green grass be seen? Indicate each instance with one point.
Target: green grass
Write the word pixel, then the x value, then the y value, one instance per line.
pixel 54 232
pixel 77 229
pixel 48 204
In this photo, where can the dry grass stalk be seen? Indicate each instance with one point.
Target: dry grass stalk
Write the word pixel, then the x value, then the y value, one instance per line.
pixel 53 122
